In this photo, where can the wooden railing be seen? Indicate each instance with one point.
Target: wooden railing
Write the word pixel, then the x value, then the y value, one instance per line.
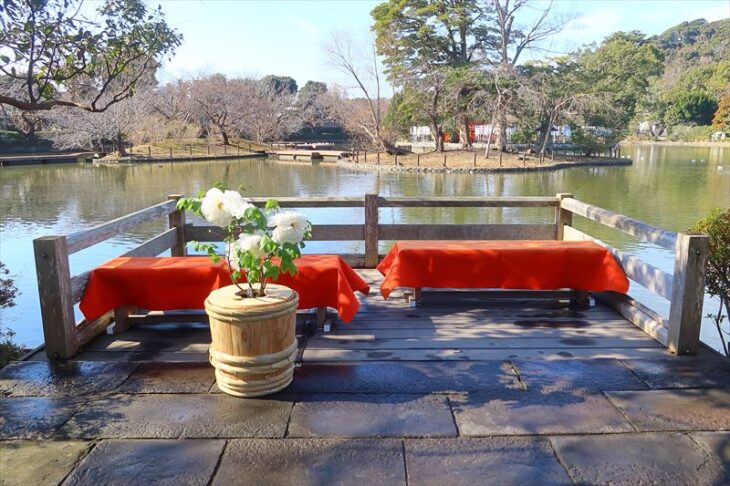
pixel 59 292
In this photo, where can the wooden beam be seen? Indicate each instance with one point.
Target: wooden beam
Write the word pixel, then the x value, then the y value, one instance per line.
pixel 637 313
pixel 86 331
pixel 467 231
pixel 156 245
pixel 654 279
pixel 312 202
pixel 54 289
pixel 320 232
pixel 86 238
pixel 466 201
pixel 372 230
pixel 563 217
pixel 176 219
pixel 688 291
pixel 634 227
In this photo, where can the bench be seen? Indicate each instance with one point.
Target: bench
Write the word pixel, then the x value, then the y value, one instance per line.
pixel 581 266
pixel 174 283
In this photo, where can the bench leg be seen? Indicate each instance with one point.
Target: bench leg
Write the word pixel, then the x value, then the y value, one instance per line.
pixel 323 323
pixel 121 318
pixel 413 298
pixel 580 300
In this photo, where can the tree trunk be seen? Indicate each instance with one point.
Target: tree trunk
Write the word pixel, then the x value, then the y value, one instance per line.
pixel 546 135
pixel 464 133
pixel 437 135
pixel 224 134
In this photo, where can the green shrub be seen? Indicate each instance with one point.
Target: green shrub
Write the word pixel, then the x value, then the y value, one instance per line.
pixel 684 133
pixel 9 350
pixel 717 226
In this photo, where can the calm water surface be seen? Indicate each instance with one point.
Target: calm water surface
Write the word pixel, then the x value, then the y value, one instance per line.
pixel 669 187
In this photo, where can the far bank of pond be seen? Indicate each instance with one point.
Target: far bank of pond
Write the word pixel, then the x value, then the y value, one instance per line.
pixel 668 186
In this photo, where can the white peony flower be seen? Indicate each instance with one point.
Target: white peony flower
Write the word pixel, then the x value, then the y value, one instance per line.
pixel 252 243
pixel 289 227
pixel 214 209
pixel 235 204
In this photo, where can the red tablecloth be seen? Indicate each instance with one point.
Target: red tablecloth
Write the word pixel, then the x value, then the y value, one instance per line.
pixel 532 265
pixel 167 283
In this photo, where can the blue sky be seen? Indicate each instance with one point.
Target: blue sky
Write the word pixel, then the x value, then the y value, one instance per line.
pixel 285 37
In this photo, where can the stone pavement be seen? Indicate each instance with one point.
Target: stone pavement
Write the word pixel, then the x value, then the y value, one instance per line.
pixel 599 421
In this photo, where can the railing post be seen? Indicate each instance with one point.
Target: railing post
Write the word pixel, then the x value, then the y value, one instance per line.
pixel 688 291
pixel 177 220
pixel 563 217
pixel 54 290
pixel 371 230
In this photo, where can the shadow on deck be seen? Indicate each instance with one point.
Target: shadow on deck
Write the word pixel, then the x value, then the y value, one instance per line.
pixel 460 390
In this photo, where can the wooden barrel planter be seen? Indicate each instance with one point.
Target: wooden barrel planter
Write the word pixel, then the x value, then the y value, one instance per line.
pixel 254 340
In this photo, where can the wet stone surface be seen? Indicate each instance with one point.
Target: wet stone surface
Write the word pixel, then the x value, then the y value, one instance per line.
pixel 630 459
pixel 498 460
pixel 71 378
pixel 405 377
pixel 159 462
pixel 654 410
pixel 34 417
pixel 717 445
pixel 170 378
pixel 183 415
pixel 351 415
pixel 23 463
pixel 682 372
pixel 312 462
pixel 575 374
pixel 530 412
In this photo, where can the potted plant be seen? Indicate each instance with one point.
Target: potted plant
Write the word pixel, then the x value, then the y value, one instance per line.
pixel 252 321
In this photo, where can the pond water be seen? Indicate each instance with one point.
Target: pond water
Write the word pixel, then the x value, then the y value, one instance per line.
pixel 668 186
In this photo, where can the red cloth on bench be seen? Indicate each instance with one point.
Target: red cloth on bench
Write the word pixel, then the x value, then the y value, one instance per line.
pixel 168 283
pixel 531 265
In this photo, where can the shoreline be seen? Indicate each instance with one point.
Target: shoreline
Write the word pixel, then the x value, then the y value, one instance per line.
pixel 669 143
pixel 370 167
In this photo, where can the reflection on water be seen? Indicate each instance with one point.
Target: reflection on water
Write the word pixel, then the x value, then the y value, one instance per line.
pixel 667 186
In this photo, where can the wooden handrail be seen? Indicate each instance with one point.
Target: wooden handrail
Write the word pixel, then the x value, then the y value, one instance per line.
pixel 86 238
pixel 664 238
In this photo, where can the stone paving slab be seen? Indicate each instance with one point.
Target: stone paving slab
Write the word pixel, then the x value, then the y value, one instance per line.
pixel 575 374
pixel 717 445
pixel 70 378
pixel 497 461
pixel 631 459
pixel 170 378
pixel 25 462
pixel 178 415
pixel 531 412
pixel 312 462
pixel 683 372
pixel 158 462
pixel 402 377
pixel 34 417
pixel 350 415
pixel 656 410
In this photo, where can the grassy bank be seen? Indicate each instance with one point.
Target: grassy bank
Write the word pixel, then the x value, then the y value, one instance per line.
pixel 193 147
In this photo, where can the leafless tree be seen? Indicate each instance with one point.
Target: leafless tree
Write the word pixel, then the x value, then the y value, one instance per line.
pixel 218 103
pixel 266 111
pixel 341 53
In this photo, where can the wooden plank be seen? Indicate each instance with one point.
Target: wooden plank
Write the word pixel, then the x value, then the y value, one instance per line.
pixel 520 342
pixel 86 238
pixel 467 231
pixel 156 245
pixel 344 333
pixel 466 201
pixel 78 286
pixel 87 331
pixel 372 230
pixel 335 355
pixel 176 219
pixel 320 232
pixel 664 238
pixel 688 291
pixel 312 202
pixel 638 314
pixel 563 217
pixel 54 289
pixel 646 274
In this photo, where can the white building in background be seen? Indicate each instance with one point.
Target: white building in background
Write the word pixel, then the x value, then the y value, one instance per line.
pixel 420 134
